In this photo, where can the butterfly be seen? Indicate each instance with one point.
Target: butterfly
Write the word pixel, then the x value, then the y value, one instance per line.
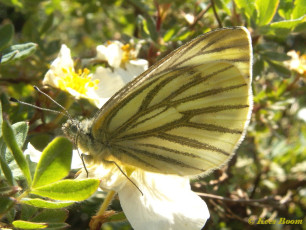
pixel 186 115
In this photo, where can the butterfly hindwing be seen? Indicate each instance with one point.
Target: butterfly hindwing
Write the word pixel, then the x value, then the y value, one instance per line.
pixel 186 114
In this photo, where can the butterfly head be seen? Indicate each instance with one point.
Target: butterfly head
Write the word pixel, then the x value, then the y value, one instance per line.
pixel 79 132
pixel 71 128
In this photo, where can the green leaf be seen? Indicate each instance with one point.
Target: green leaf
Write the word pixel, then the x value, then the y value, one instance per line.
pixel 299 9
pixel 280 69
pixel 143 25
pixel 17 52
pixel 13 3
pixel 52 47
pixel 6 35
pixel 10 167
pixel 51 216
pixel 5 204
pixel 169 34
pixel 275 56
pixel 54 163
pixel 258 67
pixel 248 8
pixel 55 226
pixel 3 164
pixel 27 212
pixel 117 217
pixel 1 119
pixel 265 11
pixel 11 142
pixel 152 28
pixel 183 35
pixel 223 5
pixel 8 57
pixel 285 9
pixel 28 225
pixel 47 24
pixel 39 203
pixel 142 8
pixel 21 131
pixel 74 190
pixel 282 28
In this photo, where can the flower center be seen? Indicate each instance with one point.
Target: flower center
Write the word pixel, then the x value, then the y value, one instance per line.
pixel 302 65
pixel 81 82
pixel 127 53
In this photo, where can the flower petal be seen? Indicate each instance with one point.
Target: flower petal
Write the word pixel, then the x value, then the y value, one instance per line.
pixel 111 53
pixel 63 61
pixel 132 69
pixel 114 55
pixel 109 82
pixel 32 152
pixel 167 203
pixel 302 114
pixel 111 177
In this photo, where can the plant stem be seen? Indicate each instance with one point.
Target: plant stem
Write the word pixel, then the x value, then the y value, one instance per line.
pixel 97 220
pixel 108 199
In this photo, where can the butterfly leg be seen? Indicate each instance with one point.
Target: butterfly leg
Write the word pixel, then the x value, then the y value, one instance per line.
pixel 113 162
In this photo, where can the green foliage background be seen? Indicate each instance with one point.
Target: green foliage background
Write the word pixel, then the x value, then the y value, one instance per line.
pixel 267 177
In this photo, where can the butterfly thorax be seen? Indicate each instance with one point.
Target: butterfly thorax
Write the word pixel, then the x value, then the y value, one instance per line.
pixel 80 133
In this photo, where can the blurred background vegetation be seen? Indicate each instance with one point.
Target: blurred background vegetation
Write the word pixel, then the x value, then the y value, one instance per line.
pixel 267 177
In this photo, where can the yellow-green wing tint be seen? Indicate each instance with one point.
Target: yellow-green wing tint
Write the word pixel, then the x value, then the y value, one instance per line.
pixel 188 113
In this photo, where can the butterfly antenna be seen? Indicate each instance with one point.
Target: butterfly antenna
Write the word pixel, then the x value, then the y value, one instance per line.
pixel 35 106
pixel 55 102
pixel 126 176
pixel 69 116
pixel 66 113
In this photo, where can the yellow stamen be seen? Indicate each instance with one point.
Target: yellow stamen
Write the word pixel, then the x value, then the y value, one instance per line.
pixel 127 53
pixel 79 81
pixel 302 67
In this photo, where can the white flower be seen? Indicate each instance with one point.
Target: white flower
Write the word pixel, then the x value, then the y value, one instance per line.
pixel 167 202
pixel 35 155
pixel 101 85
pixel 110 81
pixel 124 67
pixel 63 61
pixel 112 53
pixel 302 114
pixel 117 55
pixel 190 18
pixel 62 75
pixel 297 62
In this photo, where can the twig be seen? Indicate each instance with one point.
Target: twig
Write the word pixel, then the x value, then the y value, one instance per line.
pixel 215 13
pixel 200 15
pixel 267 200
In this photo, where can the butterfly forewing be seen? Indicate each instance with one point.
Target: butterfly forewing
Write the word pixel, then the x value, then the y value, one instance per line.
pixel 186 114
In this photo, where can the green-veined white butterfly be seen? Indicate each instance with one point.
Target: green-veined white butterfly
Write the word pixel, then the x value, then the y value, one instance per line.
pixel 185 115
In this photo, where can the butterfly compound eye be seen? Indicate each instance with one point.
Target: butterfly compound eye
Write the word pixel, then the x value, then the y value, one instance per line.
pixel 70 128
pixel 74 128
